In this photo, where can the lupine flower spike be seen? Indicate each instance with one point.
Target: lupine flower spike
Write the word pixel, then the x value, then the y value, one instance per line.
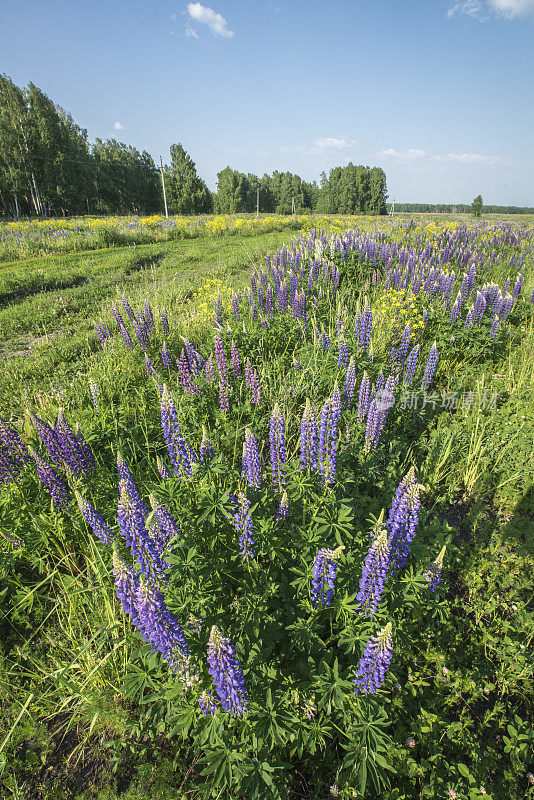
pixel 324 575
pixel 95 520
pixel 227 674
pixel 433 573
pixel 374 573
pixel 375 662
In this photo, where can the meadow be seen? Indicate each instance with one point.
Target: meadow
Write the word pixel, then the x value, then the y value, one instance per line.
pixel 267 510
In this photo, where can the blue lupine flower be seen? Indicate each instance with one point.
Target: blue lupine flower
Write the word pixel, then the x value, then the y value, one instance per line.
pixel 236 366
pixel 95 520
pixel 243 523
pixel 402 520
pixel 149 317
pixel 343 357
pixel 433 573
pixel 411 366
pixel 163 469
pixel 324 573
pixel 350 383
pixel 207 703
pixel 49 479
pixel 517 287
pixel 159 627
pixel 364 397
pixel 168 527
pixel 283 508
pixel 227 674
pixel 366 326
pixel 132 523
pixel 127 584
pixel 181 455
pixel 308 439
pixel 164 322
pixel 49 438
pixel 251 460
pixel 430 367
pixel 506 307
pixel 95 392
pixel 494 327
pixel 375 662
pixel 326 443
pixel 13 444
pixel 374 573
pixel 127 308
pixel 166 357
pixel 277 441
pixel 235 305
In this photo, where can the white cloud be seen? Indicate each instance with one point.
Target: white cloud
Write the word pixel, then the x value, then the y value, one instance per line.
pixel 477 9
pixel 473 8
pixel 403 155
pixel 512 8
pixel 207 16
pixel 469 158
pixel 331 143
pixel 118 126
pixel 189 31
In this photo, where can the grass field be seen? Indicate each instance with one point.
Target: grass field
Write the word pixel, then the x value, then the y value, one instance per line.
pixel 344 610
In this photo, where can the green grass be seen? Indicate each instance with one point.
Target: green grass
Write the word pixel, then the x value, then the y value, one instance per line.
pixel 47 305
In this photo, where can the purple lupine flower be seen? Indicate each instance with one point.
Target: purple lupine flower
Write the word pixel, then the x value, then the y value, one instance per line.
pixel 236 366
pixel 48 437
pixel 343 357
pixel 506 307
pixel 195 623
pixel 283 508
pixel 223 397
pixel 219 310
pixel 149 366
pixel 141 332
pixel 127 307
pixel 95 392
pixel 166 521
pixel 325 340
pixel 277 439
pixel 366 326
pixel 327 442
pixel 374 573
pixel 235 305
pixel 127 585
pixel 350 383
pixel 227 674
pixel 166 357
pixel 251 460
pixel 159 627
pixel 164 322
pixel 221 359
pixel 207 703
pixel 364 397
pixel 506 286
pixel 186 378
pixel 118 318
pixel 13 444
pixel 95 520
pixel 479 307
pixel 132 523
pixel 163 469
pixel 100 333
pixel 243 523
pixel 402 520
pixel 49 479
pixel 430 368
pixel 455 311
pixel 248 373
pixel 411 366
pixel 149 317
pixel 376 418
pixel 517 287
pixel 494 327
pixel 209 370
pixel 433 573
pixel 375 662
pixel 255 388
pixel 207 453
pixel 126 338
pixel 404 345
pixel 324 573
pixel 181 455
pixel 196 361
pixel 308 439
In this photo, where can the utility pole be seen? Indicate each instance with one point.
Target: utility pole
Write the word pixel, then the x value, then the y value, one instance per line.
pixel 163 184
pixel 293 205
pixel 393 208
pixel 258 200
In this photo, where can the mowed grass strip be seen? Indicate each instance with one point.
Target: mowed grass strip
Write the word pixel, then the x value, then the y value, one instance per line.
pixel 48 305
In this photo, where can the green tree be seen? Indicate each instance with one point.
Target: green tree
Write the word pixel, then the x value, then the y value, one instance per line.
pixel 186 191
pixel 476 206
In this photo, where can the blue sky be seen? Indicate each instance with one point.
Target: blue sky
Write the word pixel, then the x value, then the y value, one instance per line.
pixel 437 92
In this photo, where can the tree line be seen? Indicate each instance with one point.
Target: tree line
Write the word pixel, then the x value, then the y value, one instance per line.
pixel 48 167
pixel 458 208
